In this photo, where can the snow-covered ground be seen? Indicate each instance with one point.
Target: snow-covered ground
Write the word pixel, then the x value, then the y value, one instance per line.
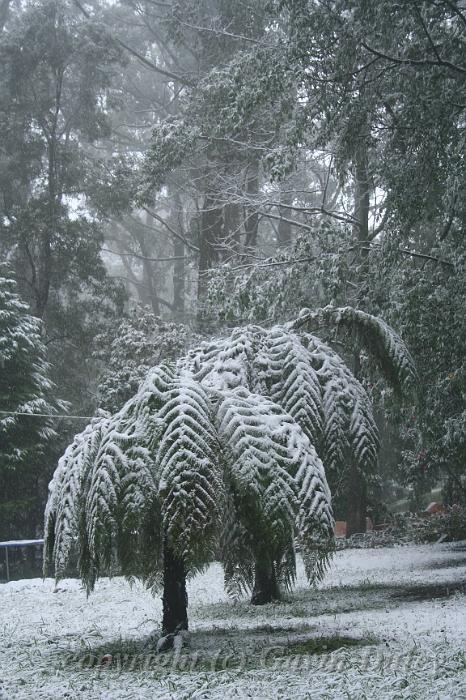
pixel 386 623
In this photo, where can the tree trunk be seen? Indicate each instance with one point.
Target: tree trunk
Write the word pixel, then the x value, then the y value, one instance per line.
pixel 362 198
pixel 4 8
pixel 175 597
pixel 251 215
pixel 147 270
pixel 266 588
pixel 178 280
pixel 179 271
pixel 357 503
pixel 357 491
pixel 232 217
pixel 284 225
pixel 209 240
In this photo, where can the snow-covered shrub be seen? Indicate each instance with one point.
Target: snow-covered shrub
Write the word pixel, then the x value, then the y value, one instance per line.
pixel 128 352
pixel 449 525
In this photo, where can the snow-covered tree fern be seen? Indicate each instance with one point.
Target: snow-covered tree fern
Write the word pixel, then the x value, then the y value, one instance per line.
pixel 223 455
pixel 374 335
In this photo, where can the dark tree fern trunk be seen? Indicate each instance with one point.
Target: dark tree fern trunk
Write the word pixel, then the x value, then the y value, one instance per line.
pixel 357 503
pixel 175 597
pixel 266 588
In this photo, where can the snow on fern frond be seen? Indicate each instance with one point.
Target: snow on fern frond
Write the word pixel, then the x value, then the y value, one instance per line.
pixel 378 339
pixel 350 433
pixel 314 521
pixel 269 459
pixel 235 549
pixel 119 490
pixel 121 507
pixel 142 410
pixel 227 363
pixel 62 513
pixel 255 435
pixel 285 374
pixel 188 472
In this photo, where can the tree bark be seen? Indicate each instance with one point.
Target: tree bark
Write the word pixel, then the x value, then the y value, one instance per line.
pixel 147 270
pixel 179 270
pixel 357 503
pixel 284 226
pixel 209 238
pixel 266 588
pixel 4 9
pixel 357 490
pixel 175 597
pixel 251 215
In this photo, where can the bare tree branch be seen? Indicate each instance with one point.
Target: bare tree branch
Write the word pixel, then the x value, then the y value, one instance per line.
pixel 143 257
pixel 421 62
pixel 178 235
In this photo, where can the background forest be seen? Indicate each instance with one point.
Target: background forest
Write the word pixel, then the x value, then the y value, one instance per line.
pixel 170 170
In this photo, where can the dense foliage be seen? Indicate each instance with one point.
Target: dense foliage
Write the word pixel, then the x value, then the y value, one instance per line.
pixel 26 399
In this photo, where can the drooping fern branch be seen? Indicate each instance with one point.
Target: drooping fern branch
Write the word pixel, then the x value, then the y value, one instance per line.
pixel 147 472
pixel 374 335
pixel 278 483
pixel 189 473
pixel 350 433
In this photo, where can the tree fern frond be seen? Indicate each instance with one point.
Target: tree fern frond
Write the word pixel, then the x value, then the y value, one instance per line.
pixel 227 363
pixel 255 435
pixel 235 551
pixel 350 432
pixel 378 339
pixel 285 374
pixel 277 476
pixel 120 489
pixel 314 520
pixel 62 513
pixel 189 473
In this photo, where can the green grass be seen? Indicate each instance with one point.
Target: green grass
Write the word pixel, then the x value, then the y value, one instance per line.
pixel 238 650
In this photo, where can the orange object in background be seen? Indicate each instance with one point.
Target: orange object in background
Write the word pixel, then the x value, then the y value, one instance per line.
pixel 340 528
pixel 434 507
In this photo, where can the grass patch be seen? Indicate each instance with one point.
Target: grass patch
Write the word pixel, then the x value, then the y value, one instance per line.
pixel 238 650
pixel 325 645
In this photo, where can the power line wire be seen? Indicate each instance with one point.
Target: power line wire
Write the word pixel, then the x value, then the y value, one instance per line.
pixel 44 415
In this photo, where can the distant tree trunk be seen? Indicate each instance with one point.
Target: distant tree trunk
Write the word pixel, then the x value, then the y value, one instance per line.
pixel 178 266
pixel 266 588
pixel 175 597
pixel 362 198
pixel 209 240
pixel 357 503
pixel 147 270
pixel 4 8
pixel 284 225
pixel 251 216
pixel 178 279
pixel 357 489
pixel 232 227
